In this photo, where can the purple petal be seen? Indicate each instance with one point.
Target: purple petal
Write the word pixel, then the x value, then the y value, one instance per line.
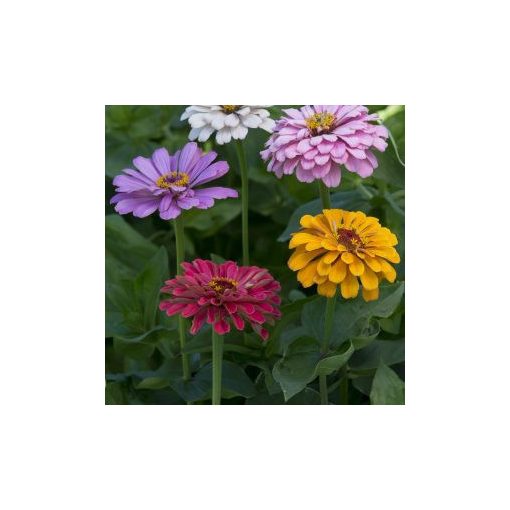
pixel 161 160
pixel 146 167
pixel 126 183
pixel 216 192
pixel 188 157
pixel 332 178
pixel 201 165
pixel 214 171
pixel 168 209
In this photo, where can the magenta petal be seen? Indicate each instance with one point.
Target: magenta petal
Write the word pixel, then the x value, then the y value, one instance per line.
pixel 212 172
pixel 190 154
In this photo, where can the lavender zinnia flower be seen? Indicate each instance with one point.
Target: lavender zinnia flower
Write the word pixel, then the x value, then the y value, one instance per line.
pixel 315 140
pixel 168 183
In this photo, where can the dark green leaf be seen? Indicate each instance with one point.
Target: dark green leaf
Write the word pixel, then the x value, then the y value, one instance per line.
pixel 387 388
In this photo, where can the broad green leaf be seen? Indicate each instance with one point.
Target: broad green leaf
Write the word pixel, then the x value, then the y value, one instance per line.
pixel 114 394
pixel 148 283
pixel 330 364
pixel 354 200
pixel 306 397
pixel 153 383
pixel 387 387
pixel 388 352
pixel 351 315
pixel 210 221
pixel 125 244
pixel 297 368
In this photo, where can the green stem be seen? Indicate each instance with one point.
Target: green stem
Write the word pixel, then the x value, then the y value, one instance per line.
pixel 244 200
pixel 324 193
pixel 328 327
pixel 217 359
pixel 344 386
pixel 179 254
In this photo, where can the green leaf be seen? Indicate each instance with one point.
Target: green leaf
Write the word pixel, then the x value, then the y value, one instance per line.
pixel 148 283
pixel 354 200
pixel 327 366
pixel 114 394
pixel 153 383
pixel 210 221
pixel 297 368
pixel 352 316
pixel 387 388
pixel 126 245
pixel 306 397
pixel 387 352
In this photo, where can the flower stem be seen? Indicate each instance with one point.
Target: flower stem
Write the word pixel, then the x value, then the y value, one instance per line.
pixel 179 254
pixel 344 386
pixel 328 326
pixel 244 200
pixel 217 360
pixel 330 307
pixel 324 193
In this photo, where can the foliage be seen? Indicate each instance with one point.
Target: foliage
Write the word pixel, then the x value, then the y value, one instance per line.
pixel 142 347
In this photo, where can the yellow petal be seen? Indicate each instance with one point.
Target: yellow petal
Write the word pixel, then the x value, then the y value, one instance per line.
pixel 347 257
pixel 369 279
pixel 330 257
pixel 373 264
pixel 338 271
pixel 388 271
pixel 302 238
pixel 319 279
pixel 314 245
pixel 305 275
pixel 356 267
pixel 327 289
pixel 388 253
pixel 333 216
pixel 349 286
pixel 300 258
pixel 370 295
pixel 329 245
pixel 306 221
pixel 322 267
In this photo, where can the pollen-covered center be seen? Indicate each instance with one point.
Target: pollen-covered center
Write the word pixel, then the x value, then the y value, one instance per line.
pixel 319 122
pixel 172 179
pixel 349 239
pixel 221 284
pixel 229 108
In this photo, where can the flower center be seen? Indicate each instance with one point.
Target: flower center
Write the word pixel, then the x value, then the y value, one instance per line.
pixel 349 239
pixel 320 122
pixel 172 179
pixel 220 284
pixel 229 108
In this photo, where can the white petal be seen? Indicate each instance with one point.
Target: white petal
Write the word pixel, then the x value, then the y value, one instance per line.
pixel 245 110
pixel 268 125
pixel 197 120
pixel 218 120
pixel 251 121
pixel 223 136
pixel 239 132
pixel 231 120
pixel 194 133
pixel 205 133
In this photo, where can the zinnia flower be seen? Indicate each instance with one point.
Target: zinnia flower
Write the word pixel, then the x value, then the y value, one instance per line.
pixel 337 247
pixel 222 293
pixel 168 183
pixel 228 120
pixel 315 140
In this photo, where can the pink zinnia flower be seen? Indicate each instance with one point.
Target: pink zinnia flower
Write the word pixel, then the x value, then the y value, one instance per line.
pixel 169 183
pixel 315 140
pixel 223 293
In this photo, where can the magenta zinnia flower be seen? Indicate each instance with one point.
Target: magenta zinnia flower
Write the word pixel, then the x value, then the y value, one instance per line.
pixel 168 183
pixel 220 293
pixel 315 140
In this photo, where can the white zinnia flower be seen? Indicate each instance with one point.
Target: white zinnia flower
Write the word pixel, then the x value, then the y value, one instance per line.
pixel 229 121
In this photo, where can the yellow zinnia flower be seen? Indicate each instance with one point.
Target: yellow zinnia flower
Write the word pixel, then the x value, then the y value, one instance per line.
pixel 337 247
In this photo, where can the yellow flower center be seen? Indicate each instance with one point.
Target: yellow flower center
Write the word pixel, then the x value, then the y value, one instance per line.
pixel 320 121
pixel 349 239
pixel 172 179
pixel 221 284
pixel 229 108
